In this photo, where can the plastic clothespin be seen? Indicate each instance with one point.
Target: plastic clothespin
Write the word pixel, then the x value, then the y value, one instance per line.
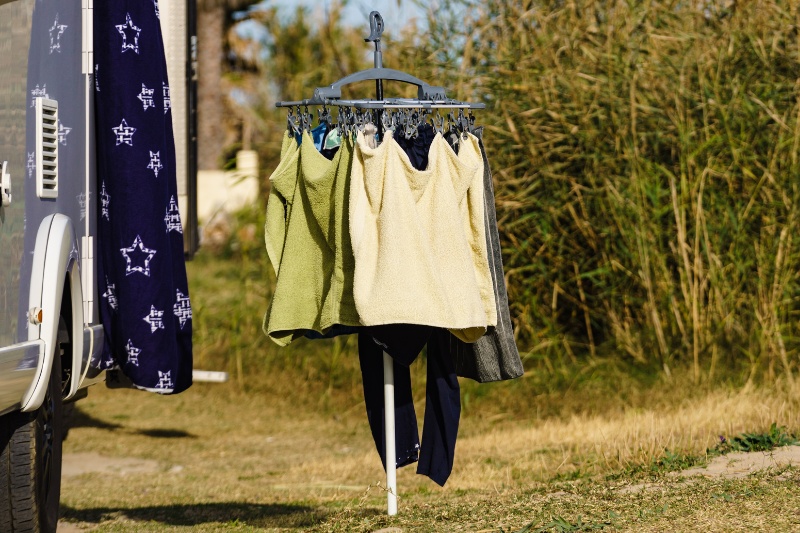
pixel 463 124
pixel 386 120
pixel 471 120
pixel 292 125
pixel 324 115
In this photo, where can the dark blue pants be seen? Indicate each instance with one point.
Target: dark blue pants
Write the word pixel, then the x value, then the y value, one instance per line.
pixel 442 396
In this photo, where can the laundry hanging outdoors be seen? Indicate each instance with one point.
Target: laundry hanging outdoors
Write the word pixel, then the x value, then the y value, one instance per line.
pixel 380 222
pixel 144 303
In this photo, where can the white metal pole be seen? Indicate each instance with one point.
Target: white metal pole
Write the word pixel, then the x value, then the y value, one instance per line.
pixel 388 436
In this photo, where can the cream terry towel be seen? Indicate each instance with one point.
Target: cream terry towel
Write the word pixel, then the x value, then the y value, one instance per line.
pixel 472 208
pixel 413 259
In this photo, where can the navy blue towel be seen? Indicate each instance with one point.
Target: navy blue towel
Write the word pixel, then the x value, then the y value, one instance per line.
pixel 144 302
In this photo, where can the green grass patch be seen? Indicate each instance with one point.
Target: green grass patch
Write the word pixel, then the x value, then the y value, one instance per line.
pixel 765 441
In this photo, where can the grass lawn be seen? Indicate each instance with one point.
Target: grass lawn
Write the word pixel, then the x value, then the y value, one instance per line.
pixel 222 460
pixel 285 444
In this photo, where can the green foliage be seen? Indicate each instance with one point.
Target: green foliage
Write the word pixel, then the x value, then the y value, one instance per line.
pixel 755 442
pixel 646 159
pixel 293 55
pixel 561 525
pixel 673 462
pixel 669 462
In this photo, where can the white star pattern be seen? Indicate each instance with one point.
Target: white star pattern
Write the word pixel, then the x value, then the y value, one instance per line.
pixel 146 96
pixel 82 203
pixel 155 319
pixel 155 162
pixel 141 269
pixel 55 35
pixel 105 202
pixel 167 97
pixel 31 163
pixel 130 34
pixel 133 353
pixel 111 295
pixel 124 133
pixel 182 308
pixel 97 77
pixel 158 12
pixel 63 131
pixel 173 217
pixel 164 380
pixel 38 93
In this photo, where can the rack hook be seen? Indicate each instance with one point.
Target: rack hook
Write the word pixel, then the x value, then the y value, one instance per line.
pixel 375 28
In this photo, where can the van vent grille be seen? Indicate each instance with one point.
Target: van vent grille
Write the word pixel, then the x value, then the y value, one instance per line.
pixel 46 148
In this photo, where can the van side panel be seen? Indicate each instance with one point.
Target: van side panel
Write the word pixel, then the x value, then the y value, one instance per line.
pixel 15 25
pixel 54 72
pixel 40 55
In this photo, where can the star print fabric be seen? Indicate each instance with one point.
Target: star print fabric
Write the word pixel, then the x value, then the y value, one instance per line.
pixel 144 294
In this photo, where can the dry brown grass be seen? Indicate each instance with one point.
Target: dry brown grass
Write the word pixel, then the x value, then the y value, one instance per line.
pixel 256 462
pixel 602 443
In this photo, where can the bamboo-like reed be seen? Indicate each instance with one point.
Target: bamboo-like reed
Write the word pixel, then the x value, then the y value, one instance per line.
pixel 645 157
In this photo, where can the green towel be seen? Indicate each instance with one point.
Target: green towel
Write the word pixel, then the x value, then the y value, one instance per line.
pixel 327 186
pixel 312 290
pixel 281 195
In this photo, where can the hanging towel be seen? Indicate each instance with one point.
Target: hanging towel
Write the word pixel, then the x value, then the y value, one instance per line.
pixel 313 289
pixel 279 204
pixel 413 259
pixel 144 303
pixel 494 357
pixel 472 210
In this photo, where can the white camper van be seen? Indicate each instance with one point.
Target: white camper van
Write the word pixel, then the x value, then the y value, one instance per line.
pixel 49 324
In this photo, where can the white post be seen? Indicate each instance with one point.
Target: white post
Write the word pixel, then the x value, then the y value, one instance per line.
pixel 388 436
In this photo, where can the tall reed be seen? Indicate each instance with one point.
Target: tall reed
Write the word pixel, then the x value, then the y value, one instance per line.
pixel 645 157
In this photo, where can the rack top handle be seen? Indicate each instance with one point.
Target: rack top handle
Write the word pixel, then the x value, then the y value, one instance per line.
pixel 375 27
pixel 425 91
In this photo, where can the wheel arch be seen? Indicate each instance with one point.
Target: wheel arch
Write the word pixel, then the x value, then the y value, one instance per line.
pixel 56 265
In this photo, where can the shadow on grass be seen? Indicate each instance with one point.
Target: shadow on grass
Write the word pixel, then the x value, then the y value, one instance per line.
pixel 81 419
pixel 255 515
pixel 166 433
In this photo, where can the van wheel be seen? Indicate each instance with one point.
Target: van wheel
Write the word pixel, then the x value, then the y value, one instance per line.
pixel 30 463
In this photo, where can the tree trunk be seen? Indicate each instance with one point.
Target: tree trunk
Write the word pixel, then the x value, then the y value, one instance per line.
pixel 210 100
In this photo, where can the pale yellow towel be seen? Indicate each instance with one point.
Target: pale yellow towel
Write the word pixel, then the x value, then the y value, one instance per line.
pixel 472 207
pixel 413 259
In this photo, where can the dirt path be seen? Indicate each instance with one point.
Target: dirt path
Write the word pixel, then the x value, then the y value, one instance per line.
pixel 741 464
pixel 731 466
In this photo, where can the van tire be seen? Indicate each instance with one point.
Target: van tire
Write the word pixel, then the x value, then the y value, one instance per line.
pixel 30 463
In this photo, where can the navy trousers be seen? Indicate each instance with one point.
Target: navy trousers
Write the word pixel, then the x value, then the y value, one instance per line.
pixel 442 396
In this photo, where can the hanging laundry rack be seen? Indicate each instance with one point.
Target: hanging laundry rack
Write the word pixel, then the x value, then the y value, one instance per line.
pixel 428 97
